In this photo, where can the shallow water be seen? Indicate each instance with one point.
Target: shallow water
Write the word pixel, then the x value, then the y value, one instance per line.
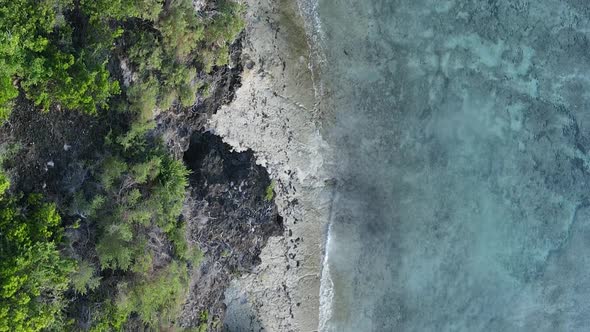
pixel 462 132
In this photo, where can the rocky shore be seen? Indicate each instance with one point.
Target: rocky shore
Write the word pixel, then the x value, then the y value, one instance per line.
pixel 274 114
pixel 264 108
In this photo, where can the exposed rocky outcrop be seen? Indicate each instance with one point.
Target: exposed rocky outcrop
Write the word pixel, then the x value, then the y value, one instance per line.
pixel 46 153
pixel 228 217
pixel 227 213
pixel 275 114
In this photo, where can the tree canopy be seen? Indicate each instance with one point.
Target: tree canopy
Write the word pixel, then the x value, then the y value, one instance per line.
pixel 33 273
pixel 38 56
pixel 118 257
pixel 58 52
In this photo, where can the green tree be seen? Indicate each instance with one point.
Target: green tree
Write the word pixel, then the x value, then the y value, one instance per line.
pixel 139 194
pixel 85 278
pixel 33 274
pixel 135 206
pixel 36 53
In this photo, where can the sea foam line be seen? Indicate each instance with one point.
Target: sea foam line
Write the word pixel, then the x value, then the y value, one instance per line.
pixel 326 283
pixel 308 9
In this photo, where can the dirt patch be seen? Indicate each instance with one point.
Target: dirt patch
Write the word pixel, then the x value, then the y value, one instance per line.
pixel 49 148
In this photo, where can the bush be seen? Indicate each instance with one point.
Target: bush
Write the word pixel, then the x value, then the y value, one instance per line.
pixel 143 97
pixel 139 195
pixel 226 25
pixel 122 9
pixel 37 52
pixel 135 207
pixel 156 300
pixel 181 28
pixel 179 43
pixel 60 78
pixel 45 50
pixel 85 278
pixel 132 253
pixel 33 274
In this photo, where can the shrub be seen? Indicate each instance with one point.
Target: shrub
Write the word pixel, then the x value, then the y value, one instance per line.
pixel 180 28
pixel 132 255
pixel 134 139
pixel 157 300
pixel 33 274
pixel 227 24
pixel 85 278
pixel 135 207
pixel 143 97
pixel 145 51
pixel 60 78
pixel 122 9
pixel 144 193
pixel 37 52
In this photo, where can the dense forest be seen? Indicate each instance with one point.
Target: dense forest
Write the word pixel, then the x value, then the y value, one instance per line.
pixel 109 252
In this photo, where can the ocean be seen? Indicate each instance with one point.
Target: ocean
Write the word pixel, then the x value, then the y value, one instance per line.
pixel 461 131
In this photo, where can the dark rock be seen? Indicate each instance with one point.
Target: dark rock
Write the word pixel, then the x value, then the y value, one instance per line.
pixel 228 218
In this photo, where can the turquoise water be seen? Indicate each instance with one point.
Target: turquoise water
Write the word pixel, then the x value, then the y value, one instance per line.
pixel 462 131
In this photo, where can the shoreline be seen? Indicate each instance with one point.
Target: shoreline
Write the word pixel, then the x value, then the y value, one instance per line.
pixel 275 114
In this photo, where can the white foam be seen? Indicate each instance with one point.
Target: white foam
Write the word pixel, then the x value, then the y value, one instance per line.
pixel 309 11
pixel 326 282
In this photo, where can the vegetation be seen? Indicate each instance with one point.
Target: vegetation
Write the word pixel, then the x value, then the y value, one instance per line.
pixel 33 273
pixel 168 56
pixel 38 55
pixel 269 193
pixel 118 257
pixel 134 262
pixel 140 251
pixel 57 52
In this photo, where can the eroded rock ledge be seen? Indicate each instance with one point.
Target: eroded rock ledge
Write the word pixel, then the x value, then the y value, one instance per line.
pixel 229 216
pixel 275 115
